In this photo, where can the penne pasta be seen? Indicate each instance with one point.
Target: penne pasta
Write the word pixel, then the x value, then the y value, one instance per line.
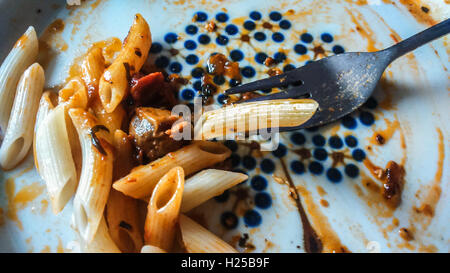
pixel 54 158
pixel 102 242
pixel 19 133
pixel 192 158
pixel 21 56
pixel 198 239
pixel 252 116
pixel 96 173
pixel 152 249
pixel 47 102
pixel 163 210
pixel 74 94
pixel 115 80
pixel 207 184
pixel 92 68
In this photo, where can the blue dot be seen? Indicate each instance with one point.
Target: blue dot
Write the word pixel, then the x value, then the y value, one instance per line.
pixel 285 24
pixel 337 49
pixel 197 85
pixel 170 38
pixel 371 103
pixel 231 29
pixel 318 140
pixel 222 40
pixel 192 59
pixel 260 36
pixel 263 200
pixel 222 99
pixel 234 82
pixel 221 17
pixel 156 48
pixel 334 175
pixel 236 55
pixel 248 72
pixel 175 67
pixel 219 79
pixel 260 57
pixel 280 151
pixel 187 94
pixel 298 138
pixel 351 141
pixel 306 38
pixel 288 67
pixel 235 160
pixel 248 162
pixel 300 49
pixel 249 25
pixel 366 118
pixel 358 154
pixel 351 170
pixel 229 220
pixel 279 57
pixel 231 144
pixel 258 183
pixel 204 39
pixel 223 197
pixel 349 122
pixel 278 37
pixel 191 29
pixel 201 16
pixel 267 166
pixel 190 45
pixel 320 154
pixel 326 37
pixel 254 15
pixel 252 218
pixel 197 72
pixel 297 167
pixel 315 168
pixel 335 142
pixel 275 16
pixel 162 62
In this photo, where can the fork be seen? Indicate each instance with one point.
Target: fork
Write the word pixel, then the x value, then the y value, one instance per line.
pixel 340 83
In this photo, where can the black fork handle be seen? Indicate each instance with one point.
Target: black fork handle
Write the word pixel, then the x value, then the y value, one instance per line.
pixel 419 39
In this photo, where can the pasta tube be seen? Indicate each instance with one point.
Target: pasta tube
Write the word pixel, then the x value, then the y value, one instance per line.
pixel 115 80
pixel 192 158
pixel 96 173
pixel 102 242
pixel 74 94
pixel 54 157
pixel 251 116
pixel 163 210
pixel 198 239
pixel 207 184
pixel 22 55
pixel 19 133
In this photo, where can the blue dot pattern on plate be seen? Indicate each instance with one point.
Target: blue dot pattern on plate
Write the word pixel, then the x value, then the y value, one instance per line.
pixel 337 158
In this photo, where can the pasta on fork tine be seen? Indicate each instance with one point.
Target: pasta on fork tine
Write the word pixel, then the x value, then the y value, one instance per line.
pixel 163 210
pixel 19 133
pixel 21 56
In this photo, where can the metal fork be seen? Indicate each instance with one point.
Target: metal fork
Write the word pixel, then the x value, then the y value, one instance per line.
pixel 340 83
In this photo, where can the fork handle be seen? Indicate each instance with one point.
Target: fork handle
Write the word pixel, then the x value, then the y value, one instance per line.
pixel 419 39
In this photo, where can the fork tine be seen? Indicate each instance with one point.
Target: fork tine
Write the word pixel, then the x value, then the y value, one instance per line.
pixel 274 81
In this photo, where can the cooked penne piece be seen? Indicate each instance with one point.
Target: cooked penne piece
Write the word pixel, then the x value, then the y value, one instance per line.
pixel 192 158
pixel 96 173
pixel 115 80
pixel 54 158
pixel 92 68
pixel 74 94
pixel 207 184
pixel 251 116
pixel 102 242
pixel 21 56
pixel 198 239
pixel 163 210
pixel 19 133
pixel 46 104
pixel 152 249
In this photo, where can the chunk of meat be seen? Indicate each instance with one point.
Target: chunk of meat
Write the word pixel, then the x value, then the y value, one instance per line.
pixel 148 128
pixel 152 90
